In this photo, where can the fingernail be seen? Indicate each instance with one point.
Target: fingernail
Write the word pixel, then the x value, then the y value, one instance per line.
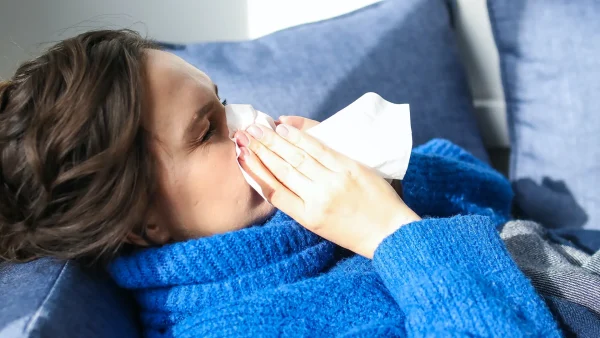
pixel 243 153
pixel 282 130
pixel 255 131
pixel 242 139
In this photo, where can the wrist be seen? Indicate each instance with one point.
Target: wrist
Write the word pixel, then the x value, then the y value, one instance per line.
pixel 403 216
pixel 399 218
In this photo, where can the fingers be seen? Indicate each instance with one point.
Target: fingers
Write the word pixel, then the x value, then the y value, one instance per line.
pixel 282 170
pixel 273 190
pixel 291 154
pixel 329 158
pixel 298 122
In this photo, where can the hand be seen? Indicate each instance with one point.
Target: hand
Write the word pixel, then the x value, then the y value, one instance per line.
pixel 302 123
pixel 326 192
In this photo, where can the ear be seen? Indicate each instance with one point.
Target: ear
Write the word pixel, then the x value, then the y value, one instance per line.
pixel 156 233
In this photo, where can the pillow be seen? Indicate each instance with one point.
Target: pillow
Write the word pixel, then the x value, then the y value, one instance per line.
pixel 51 298
pixel 550 62
pixel 403 50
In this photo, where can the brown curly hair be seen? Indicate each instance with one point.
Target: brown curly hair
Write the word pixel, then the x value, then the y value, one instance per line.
pixel 76 171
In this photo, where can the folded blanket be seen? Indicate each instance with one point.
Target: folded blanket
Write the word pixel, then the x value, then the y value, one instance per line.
pixel 568 278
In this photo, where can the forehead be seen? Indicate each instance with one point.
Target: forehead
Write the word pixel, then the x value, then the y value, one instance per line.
pixel 175 91
pixel 168 72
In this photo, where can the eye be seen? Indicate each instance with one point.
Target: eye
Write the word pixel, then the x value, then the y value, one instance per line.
pixel 209 133
pixel 202 140
pixel 224 102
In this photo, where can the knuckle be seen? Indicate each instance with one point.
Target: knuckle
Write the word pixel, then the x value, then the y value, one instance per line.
pixel 294 136
pixel 267 138
pixel 352 171
pixel 298 160
pixel 320 150
pixel 343 180
pixel 258 149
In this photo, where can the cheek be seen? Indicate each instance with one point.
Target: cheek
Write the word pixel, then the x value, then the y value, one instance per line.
pixel 229 162
pixel 222 176
pixel 214 197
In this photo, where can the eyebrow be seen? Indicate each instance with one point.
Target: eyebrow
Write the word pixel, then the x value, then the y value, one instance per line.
pixel 197 118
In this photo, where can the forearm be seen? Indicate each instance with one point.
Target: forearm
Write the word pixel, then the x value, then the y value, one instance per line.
pixel 454 275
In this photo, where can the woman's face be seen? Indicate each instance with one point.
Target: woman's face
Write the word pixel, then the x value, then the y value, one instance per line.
pixel 201 189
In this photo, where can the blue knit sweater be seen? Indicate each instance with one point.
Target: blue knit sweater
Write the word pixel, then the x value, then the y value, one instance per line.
pixel 447 275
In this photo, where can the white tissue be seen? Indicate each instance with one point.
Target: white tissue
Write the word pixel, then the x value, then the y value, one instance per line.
pixel 240 117
pixel 371 130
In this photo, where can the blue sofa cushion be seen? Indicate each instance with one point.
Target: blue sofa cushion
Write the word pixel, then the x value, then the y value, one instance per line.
pixel 550 62
pixel 403 50
pixel 50 298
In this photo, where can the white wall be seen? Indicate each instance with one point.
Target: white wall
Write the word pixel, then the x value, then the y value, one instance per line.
pixel 267 16
pixel 480 55
pixel 25 25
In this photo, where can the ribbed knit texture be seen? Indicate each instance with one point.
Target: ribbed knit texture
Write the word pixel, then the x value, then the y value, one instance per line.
pixel 448 276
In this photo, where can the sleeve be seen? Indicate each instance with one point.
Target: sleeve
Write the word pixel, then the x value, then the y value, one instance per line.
pixel 444 180
pixel 454 276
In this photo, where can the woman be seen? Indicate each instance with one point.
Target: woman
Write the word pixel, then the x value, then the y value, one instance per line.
pixel 108 143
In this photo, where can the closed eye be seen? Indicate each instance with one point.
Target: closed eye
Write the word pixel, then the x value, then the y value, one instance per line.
pixel 209 133
pixel 203 139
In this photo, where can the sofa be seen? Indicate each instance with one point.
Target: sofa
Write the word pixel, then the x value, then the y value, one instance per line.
pixel 408 52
